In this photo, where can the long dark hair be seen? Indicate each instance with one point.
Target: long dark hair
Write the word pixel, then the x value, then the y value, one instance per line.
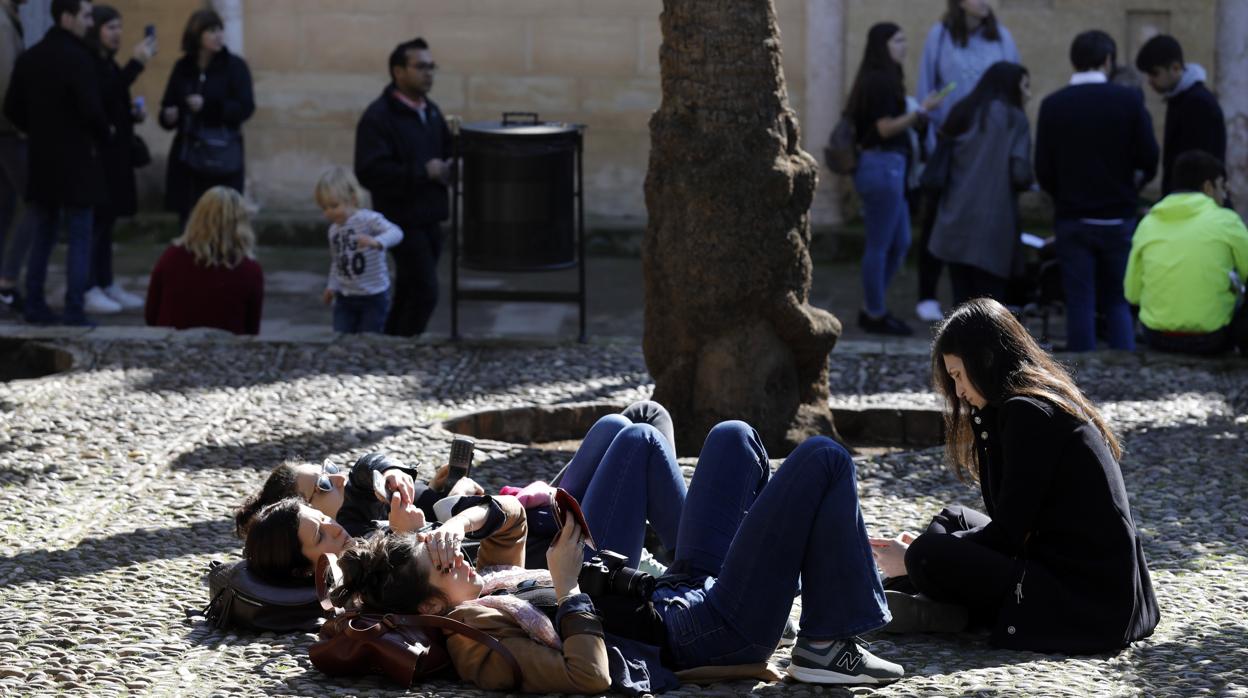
pixel 959 29
pixel 1002 361
pixel 280 484
pixel 876 63
pixel 273 551
pixel 100 15
pixel 199 22
pixel 386 573
pixel 1002 82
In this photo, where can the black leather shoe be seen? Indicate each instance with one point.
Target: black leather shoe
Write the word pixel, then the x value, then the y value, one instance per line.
pixel 885 325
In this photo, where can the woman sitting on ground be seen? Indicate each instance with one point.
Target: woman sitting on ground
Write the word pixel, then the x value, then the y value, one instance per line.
pixel 1056 565
pixel 323 508
pixel 741 540
pixel 209 277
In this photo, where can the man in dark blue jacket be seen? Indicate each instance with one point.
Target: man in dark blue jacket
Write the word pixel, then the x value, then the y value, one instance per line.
pixel 54 98
pixel 1094 150
pixel 1194 119
pixel 402 149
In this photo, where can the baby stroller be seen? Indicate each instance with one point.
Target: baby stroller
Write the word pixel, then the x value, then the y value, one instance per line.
pixel 1037 292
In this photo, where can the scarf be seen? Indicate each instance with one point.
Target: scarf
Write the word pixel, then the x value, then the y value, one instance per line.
pixel 535 623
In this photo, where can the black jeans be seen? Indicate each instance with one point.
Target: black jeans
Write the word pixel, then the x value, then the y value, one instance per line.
pixel 100 273
pixel 415 280
pixel 946 566
pixel 1234 335
pixel 972 282
pixel 929 265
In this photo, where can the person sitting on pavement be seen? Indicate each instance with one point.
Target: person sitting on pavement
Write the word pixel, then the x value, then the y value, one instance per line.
pixel 209 277
pixel 739 553
pixel 1057 564
pixel 1189 259
pixel 304 510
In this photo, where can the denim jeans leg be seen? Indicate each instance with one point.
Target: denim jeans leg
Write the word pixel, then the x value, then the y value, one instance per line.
pixel 805 521
pixel 1113 249
pixel 900 240
pixel 78 225
pixel 101 270
pixel 372 312
pixel 1078 267
pixel 40 225
pixel 880 183
pixel 343 315
pixel 637 480
pixel 732 470
pixel 580 470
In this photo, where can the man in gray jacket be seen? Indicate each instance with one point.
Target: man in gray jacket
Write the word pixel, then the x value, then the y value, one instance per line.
pixel 12 155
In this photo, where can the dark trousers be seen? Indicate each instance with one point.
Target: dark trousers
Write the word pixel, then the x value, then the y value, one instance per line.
pixel 1093 261
pixel 972 282
pixel 12 188
pixel 947 566
pixel 929 264
pixel 415 280
pixel 356 314
pixel 100 272
pixel 1234 335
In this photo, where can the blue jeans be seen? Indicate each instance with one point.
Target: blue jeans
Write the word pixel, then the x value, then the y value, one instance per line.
pixel 44 220
pixel 625 474
pixel 356 314
pixel 881 183
pixel 101 271
pixel 1093 261
pixel 744 537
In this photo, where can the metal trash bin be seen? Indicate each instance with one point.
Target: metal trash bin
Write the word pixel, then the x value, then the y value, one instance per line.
pixel 519 190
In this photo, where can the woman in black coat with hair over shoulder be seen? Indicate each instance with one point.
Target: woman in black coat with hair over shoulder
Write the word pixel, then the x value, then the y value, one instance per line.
pixel 209 88
pixel 1056 564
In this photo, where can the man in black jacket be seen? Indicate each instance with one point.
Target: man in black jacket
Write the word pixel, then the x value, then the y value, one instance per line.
pixel 54 99
pixel 1193 117
pixel 1094 150
pixel 402 149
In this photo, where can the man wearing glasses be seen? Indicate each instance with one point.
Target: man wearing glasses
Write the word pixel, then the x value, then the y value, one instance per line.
pixel 402 156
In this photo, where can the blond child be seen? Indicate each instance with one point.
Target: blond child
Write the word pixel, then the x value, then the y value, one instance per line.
pixel 359 284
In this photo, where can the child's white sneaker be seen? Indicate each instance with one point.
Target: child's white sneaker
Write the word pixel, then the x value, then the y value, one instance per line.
pixel 98 303
pixel 124 298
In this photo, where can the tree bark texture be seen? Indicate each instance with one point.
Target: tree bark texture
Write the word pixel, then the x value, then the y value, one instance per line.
pixel 729 333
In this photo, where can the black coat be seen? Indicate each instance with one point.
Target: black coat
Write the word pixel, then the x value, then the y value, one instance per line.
pixel 115 85
pixel 392 145
pixel 55 100
pixel 360 507
pixel 1058 503
pixel 1193 122
pixel 228 101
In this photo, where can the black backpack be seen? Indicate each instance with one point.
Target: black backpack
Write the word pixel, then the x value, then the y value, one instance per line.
pixel 238 599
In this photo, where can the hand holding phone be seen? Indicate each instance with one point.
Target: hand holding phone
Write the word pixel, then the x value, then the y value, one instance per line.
pixel 460 464
pixel 149 31
pixel 947 89
pixel 563 504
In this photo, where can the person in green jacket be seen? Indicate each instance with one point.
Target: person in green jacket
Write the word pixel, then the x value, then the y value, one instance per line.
pixel 1188 264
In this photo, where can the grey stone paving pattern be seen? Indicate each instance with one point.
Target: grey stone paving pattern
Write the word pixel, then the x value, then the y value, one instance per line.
pixel 117 482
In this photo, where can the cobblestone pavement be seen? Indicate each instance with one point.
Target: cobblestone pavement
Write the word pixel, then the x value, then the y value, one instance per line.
pixel 117 481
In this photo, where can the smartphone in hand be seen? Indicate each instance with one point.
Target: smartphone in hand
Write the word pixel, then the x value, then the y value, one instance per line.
pixel 149 32
pixel 460 464
pixel 564 503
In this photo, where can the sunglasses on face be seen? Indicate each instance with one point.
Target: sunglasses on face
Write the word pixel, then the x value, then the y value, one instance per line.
pixel 323 482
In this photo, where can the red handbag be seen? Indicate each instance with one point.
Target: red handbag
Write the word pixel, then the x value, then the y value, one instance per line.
pixel 405 647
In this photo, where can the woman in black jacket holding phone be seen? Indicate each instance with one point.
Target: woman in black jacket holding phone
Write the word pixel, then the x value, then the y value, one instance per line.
pixel 1056 565
pixel 207 99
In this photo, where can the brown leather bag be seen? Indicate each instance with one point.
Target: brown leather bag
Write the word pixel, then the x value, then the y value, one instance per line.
pixel 405 647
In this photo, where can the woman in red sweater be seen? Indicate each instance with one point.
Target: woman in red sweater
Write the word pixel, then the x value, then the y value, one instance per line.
pixel 209 277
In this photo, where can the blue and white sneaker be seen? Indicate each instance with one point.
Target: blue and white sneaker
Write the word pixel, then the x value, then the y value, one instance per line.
pixel 843 662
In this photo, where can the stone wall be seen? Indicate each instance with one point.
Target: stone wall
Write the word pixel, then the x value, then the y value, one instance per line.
pixel 317 63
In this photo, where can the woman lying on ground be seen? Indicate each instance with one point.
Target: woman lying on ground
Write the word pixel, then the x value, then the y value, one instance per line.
pixel 741 539
pixel 324 507
pixel 1056 565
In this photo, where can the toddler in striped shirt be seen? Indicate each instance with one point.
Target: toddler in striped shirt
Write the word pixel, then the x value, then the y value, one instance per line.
pixel 359 283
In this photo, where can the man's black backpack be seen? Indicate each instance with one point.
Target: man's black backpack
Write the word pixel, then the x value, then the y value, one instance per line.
pixel 238 599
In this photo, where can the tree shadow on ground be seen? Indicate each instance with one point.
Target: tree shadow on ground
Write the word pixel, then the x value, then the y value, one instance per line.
pixel 262 455
pixel 95 555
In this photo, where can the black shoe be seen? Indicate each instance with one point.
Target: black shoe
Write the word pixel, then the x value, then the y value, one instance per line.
pixel 884 325
pixel 42 316
pixel 916 613
pixel 77 320
pixel 843 662
pixel 11 299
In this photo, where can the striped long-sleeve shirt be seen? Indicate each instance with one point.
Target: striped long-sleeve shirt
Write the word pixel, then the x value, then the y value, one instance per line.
pixel 355 270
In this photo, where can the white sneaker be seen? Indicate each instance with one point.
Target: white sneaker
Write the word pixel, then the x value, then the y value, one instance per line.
pixel 98 303
pixel 928 310
pixel 127 300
